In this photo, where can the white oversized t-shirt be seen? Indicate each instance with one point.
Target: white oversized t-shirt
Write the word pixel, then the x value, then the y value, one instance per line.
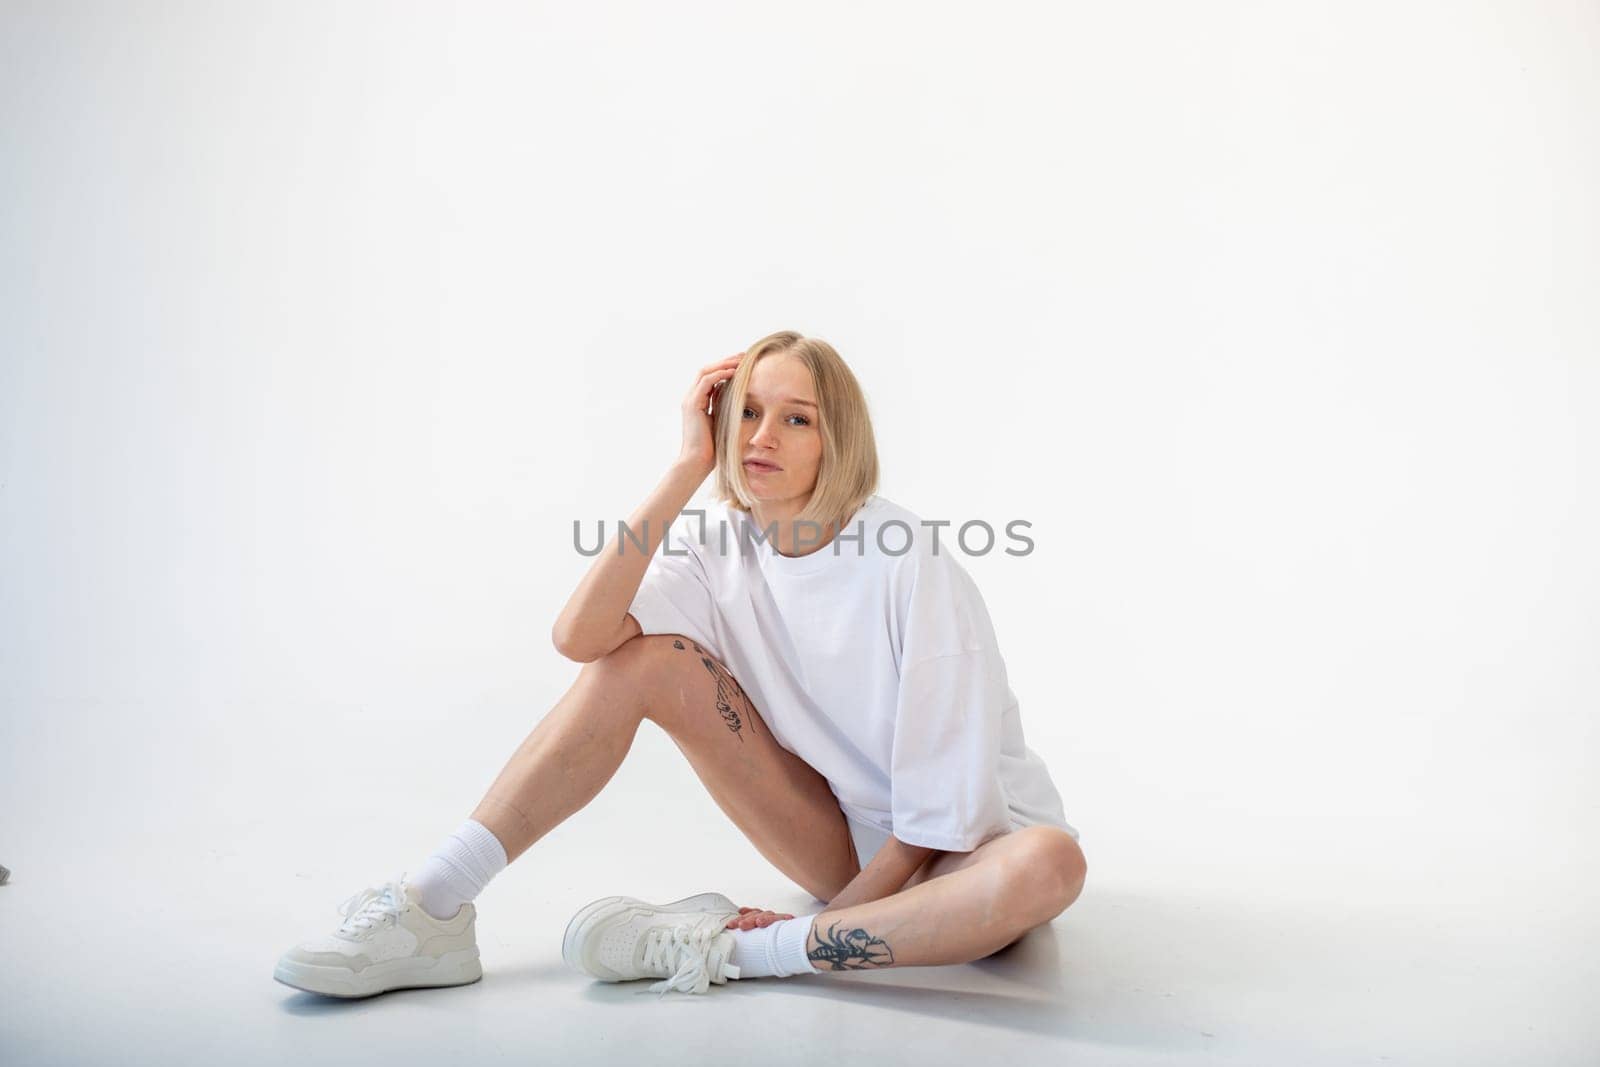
pixel 881 671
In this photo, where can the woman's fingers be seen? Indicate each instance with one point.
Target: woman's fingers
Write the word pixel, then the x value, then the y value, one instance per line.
pixel 703 386
pixel 707 385
pixel 752 918
pixel 697 406
pixel 711 374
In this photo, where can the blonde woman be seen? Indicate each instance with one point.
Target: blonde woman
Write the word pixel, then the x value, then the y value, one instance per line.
pixel 832 676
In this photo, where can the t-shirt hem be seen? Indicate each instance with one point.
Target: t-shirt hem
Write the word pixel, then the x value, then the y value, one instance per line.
pixel 943 842
pixel 949 843
pixel 655 613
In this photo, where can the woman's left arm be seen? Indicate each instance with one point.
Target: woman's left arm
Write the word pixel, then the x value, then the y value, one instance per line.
pixel 884 875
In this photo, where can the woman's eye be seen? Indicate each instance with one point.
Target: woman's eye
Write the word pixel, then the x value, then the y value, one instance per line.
pixel 803 420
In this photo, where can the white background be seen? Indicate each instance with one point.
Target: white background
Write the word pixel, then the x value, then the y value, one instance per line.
pixel 320 324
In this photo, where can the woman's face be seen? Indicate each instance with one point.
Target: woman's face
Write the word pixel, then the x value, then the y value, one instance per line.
pixel 779 427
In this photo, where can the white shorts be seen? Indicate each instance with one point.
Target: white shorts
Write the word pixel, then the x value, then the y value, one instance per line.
pixel 868 839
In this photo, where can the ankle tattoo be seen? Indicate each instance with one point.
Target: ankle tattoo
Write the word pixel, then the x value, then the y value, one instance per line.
pixel 847 950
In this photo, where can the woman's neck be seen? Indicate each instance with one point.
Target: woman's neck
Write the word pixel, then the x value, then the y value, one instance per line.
pixel 789 539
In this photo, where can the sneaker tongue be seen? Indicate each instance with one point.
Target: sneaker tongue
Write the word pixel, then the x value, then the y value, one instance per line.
pixel 660 944
pixel 721 951
pixel 651 956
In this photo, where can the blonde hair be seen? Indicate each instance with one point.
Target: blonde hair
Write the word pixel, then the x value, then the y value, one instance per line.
pixel 848 471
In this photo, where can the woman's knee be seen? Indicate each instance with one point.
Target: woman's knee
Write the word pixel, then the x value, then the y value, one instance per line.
pixel 1047 868
pixel 661 671
pixel 624 674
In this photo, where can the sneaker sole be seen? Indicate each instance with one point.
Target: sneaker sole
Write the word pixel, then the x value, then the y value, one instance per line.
pixel 594 913
pixel 460 967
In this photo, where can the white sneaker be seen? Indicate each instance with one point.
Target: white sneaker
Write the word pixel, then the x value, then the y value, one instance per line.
pixel 385 942
pixel 619 939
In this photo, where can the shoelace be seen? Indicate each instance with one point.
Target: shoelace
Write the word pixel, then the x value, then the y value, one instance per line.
pixel 371 908
pixel 686 950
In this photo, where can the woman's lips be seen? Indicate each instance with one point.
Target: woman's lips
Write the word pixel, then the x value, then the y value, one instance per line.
pixel 763 468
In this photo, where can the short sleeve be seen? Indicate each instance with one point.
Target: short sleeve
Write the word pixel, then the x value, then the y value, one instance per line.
pixel 944 780
pixel 674 596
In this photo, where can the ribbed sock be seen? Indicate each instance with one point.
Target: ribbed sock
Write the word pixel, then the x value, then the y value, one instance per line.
pixel 458 870
pixel 776 951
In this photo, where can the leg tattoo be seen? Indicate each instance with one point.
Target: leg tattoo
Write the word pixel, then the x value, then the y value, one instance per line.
pixel 850 950
pixel 730 698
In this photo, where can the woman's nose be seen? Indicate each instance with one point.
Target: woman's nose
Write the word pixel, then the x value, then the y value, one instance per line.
pixel 763 435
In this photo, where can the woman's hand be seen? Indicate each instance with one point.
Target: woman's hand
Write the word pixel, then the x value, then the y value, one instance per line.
pixel 751 918
pixel 699 450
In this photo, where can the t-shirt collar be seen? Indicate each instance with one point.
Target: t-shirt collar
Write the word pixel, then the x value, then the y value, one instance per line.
pixel 775 562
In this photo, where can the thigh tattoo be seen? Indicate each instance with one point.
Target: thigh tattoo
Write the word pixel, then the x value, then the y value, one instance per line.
pixel 731 700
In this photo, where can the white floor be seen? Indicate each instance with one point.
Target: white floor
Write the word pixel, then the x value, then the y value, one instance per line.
pixel 148 906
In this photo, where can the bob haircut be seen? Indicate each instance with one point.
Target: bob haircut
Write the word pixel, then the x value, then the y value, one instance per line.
pixel 848 471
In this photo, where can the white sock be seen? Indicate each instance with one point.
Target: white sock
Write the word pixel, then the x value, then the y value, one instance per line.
pixel 458 870
pixel 776 951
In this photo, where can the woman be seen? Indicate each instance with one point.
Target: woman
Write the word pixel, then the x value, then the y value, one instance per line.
pixel 832 676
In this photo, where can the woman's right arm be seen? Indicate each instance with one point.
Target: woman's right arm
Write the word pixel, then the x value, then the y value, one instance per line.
pixel 595 620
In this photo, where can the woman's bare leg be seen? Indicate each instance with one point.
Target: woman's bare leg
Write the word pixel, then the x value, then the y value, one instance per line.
pixel 964 906
pixel 780 802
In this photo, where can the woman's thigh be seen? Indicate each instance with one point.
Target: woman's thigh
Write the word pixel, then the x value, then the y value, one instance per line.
pixel 781 803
